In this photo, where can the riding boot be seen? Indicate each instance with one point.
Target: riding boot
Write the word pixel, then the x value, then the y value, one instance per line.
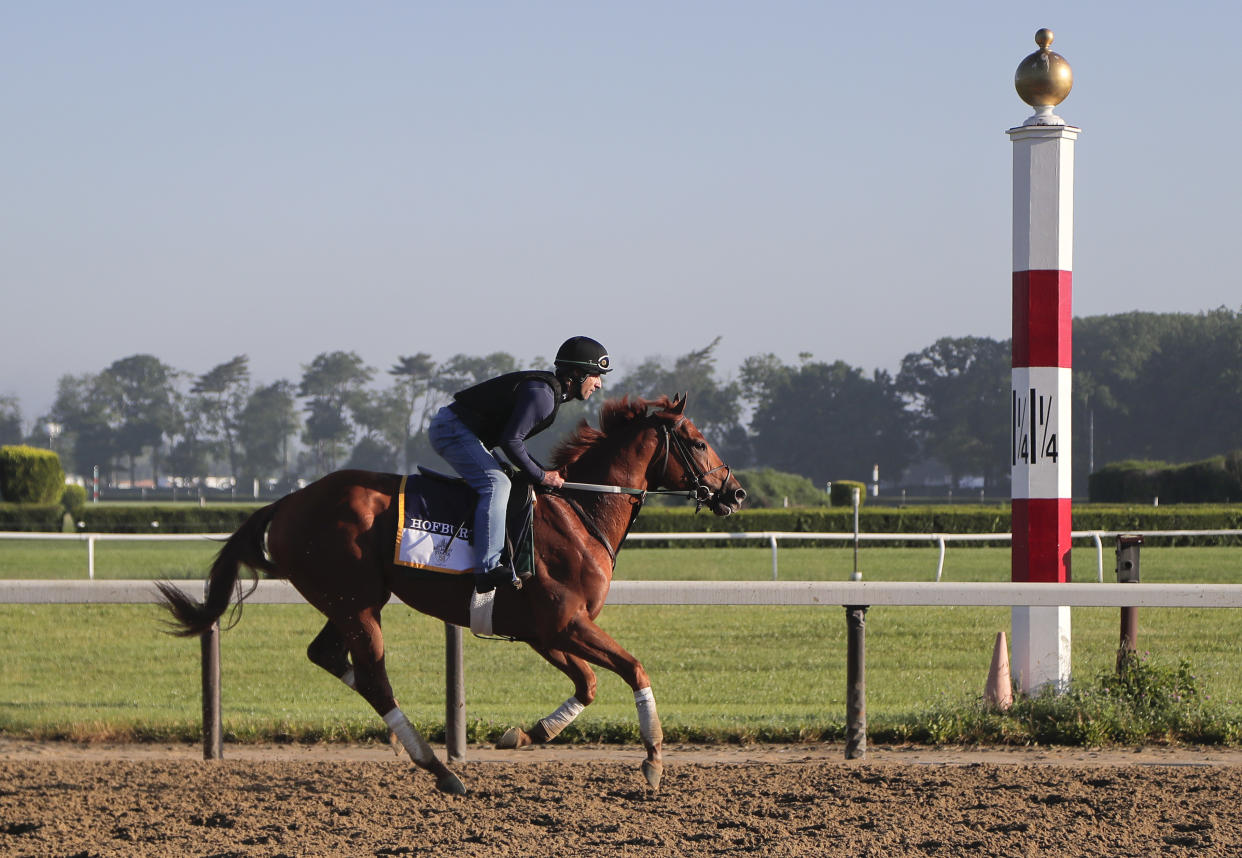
pixel 485 582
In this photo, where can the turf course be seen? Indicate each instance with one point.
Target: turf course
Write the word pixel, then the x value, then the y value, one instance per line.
pixel 718 673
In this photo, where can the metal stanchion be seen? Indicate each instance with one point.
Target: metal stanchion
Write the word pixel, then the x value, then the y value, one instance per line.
pixel 454 695
pixel 856 682
pixel 213 730
pixel 1128 573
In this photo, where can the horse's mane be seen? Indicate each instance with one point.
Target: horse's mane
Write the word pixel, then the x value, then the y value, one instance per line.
pixel 613 415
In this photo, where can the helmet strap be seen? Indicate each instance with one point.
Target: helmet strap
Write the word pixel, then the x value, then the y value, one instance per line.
pixel 572 379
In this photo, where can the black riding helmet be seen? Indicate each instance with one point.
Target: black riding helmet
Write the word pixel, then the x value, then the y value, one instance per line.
pixel 583 354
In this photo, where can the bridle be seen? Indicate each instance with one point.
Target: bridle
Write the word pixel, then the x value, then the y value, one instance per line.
pixel 698 490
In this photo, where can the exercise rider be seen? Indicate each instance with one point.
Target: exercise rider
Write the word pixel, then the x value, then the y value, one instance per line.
pixel 503 412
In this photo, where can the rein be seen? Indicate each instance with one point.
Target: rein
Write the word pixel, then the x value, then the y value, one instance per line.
pixel 604 489
pixel 699 491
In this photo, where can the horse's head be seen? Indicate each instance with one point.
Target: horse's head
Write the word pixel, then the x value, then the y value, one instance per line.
pixel 688 462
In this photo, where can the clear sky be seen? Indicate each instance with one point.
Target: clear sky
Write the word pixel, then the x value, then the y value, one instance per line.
pixel 280 179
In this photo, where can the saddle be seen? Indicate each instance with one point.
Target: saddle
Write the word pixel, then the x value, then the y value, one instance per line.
pixel 436 521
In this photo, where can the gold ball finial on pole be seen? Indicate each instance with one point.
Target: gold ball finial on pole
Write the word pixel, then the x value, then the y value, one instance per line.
pixel 1043 80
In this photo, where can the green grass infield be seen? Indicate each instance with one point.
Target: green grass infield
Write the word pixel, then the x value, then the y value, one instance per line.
pixel 719 673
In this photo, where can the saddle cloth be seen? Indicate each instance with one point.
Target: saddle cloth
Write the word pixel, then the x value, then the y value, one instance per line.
pixel 436 523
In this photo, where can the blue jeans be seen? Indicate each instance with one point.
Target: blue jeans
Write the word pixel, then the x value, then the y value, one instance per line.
pixel 456 444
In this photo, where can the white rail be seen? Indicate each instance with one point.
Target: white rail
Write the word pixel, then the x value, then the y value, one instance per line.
pixel 91 538
pixel 786 593
pixel 941 540
pixel 773 538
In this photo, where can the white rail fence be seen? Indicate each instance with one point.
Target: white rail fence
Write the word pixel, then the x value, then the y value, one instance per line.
pixel 784 593
pixel 772 538
pixel 854 596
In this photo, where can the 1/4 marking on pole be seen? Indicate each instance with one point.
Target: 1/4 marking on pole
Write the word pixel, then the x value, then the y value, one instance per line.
pixel 1033 427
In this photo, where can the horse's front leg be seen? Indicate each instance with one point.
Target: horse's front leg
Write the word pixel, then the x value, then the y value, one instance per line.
pixel 547 729
pixel 584 639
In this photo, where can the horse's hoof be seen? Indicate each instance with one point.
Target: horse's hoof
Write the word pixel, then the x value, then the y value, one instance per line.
pixel 514 737
pixel 451 784
pixel 653 771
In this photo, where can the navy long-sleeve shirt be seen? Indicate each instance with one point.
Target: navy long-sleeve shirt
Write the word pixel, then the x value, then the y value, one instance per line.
pixel 535 401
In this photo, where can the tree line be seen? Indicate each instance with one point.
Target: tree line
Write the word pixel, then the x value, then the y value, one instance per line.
pixel 1147 386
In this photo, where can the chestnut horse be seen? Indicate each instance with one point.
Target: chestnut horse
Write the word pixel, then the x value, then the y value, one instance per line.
pixel 333 540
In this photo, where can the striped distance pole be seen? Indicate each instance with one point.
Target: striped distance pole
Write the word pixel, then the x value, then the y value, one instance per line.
pixel 1043 223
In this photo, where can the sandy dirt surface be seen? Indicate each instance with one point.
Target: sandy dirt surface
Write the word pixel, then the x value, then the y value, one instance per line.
pixel 803 800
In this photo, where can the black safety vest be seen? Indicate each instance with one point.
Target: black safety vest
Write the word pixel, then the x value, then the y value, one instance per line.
pixel 487 407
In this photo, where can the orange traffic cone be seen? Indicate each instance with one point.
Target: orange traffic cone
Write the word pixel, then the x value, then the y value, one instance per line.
pixel 999 690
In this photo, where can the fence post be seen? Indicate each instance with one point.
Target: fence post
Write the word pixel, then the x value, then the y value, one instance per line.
pixel 856 682
pixel 1128 573
pixel 213 731
pixel 1099 558
pixel 856 575
pixel 772 542
pixel 454 695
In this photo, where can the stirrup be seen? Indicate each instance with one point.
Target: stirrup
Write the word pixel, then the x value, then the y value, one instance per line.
pixel 485 582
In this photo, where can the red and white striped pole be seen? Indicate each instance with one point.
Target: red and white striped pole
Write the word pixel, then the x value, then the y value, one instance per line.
pixel 1043 223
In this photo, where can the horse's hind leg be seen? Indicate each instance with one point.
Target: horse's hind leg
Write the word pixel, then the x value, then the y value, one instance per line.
pixel 365 641
pixel 547 729
pixel 329 651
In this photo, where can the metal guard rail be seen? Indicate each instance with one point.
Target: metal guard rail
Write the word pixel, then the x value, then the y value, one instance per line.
pixel 786 593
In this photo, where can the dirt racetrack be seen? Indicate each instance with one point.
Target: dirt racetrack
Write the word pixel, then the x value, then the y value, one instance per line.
pixel 66 800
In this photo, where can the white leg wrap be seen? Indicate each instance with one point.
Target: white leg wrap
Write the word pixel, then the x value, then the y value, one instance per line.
pixel 648 719
pixel 415 745
pixel 349 679
pixel 562 717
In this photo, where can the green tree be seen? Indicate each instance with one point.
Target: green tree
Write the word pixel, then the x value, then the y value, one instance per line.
pixel 1110 357
pixel 825 421
pixel 334 384
pixel 1164 386
pixel 462 371
pixel 415 382
pixel 190 449
pixel 264 427
pixel 221 395
pixel 714 405
pixel 10 420
pixel 382 416
pixel 960 388
pixel 87 441
pixel 140 396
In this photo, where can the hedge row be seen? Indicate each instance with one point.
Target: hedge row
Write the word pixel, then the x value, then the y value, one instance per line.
pixel 34 518
pixel 995 518
pixel 162 518
pixel 1214 480
pixel 926 519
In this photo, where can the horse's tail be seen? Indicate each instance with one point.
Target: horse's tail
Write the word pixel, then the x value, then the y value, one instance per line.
pixel 245 547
